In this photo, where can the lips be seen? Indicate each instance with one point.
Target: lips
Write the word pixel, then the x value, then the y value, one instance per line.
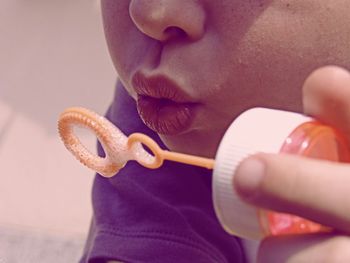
pixel 162 105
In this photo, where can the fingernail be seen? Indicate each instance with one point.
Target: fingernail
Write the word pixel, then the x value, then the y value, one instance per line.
pixel 248 177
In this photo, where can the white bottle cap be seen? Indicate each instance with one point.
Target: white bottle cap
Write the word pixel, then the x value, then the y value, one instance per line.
pixel 256 130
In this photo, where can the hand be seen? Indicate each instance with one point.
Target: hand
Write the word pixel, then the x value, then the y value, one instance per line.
pixel 314 189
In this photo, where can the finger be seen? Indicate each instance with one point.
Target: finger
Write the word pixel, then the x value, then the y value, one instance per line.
pixel 305 249
pixel 326 96
pixel 314 189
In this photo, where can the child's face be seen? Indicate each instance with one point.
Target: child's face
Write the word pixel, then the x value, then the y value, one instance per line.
pixel 225 55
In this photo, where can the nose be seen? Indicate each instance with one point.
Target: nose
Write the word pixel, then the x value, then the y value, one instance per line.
pixel 166 19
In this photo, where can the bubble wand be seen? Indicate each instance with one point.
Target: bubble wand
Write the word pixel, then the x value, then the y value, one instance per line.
pixel 119 149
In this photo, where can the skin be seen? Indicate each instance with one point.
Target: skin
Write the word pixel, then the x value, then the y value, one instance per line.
pixel 227 55
pixel 233 55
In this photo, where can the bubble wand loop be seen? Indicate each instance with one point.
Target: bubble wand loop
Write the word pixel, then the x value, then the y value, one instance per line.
pixel 118 148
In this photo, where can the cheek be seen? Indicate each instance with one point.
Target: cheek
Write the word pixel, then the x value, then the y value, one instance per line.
pixel 271 59
pixel 274 58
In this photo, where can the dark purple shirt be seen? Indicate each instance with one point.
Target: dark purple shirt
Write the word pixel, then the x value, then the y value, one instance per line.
pixel 163 215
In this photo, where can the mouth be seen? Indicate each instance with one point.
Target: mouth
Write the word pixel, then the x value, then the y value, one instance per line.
pixel 162 105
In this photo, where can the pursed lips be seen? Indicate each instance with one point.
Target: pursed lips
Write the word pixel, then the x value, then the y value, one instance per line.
pixel 162 105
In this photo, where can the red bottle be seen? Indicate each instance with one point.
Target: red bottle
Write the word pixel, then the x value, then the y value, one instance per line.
pixel 270 131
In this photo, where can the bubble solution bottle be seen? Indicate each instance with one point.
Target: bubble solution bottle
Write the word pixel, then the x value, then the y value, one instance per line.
pixel 269 131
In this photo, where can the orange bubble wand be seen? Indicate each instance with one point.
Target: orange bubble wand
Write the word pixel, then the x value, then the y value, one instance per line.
pixel 118 148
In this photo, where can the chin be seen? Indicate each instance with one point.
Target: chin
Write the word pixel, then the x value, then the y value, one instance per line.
pixel 194 143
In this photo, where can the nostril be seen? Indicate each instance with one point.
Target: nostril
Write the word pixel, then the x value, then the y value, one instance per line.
pixel 173 32
pixel 165 20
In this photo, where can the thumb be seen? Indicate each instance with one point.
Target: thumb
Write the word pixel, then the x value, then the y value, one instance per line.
pixel 310 188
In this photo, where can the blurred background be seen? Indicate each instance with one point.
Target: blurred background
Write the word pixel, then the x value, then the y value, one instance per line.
pixel 52 56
